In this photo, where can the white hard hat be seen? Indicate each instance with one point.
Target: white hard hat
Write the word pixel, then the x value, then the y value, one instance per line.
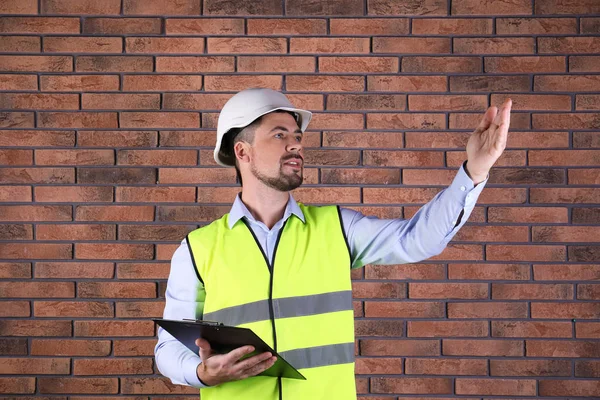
pixel 247 106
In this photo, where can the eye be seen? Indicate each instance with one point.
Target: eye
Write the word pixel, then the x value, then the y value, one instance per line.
pixel 299 138
pixel 278 135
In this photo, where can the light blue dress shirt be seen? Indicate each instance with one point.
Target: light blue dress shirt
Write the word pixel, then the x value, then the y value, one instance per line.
pixel 371 240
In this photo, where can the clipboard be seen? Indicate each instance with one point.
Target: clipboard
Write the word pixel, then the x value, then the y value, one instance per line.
pixel 223 339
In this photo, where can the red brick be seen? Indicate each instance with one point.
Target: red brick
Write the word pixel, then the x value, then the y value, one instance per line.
pixel 336 121
pixel 411 45
pixel 16 157
pixel 369 27
pixel 564 157
pixel 15 309
pixel 489 7
pixel 584 64
pixel 427 177
pixel 587 102
pixel 569 45
pixel 75 309
pixel 562 348
pixel 119 175
pixel 26 101
pixel 121 26
pixel 35 213
pixel 332 157
pixel 589 330
pixel 121 366
pixel 69 347
pixel 554 7
pixel 220 7
pixel 37 289
pixel 114 251
pixel 360 176
pixel 406 121
pixel 362 139
pixel 454 26
pixel 328 195
pixel 359 65
pixel 22 327
pixel 196 175
pixel 403 347
pixel 39 25
pixel 114 328
pixel 447 102
pixel 411 83
pixel 159 7
pixel 579 387
pixel 379 365
pixel 410 7
pixel 16 232
pixel 535 102
pixel 590 25
pixel 350 7
pixel 588 292
pixel 134 347
pixel 37 175
pixel 36 250
pixel 525 64
pixel 80 7
pixel 15 270
pixel 276 64
pixel 483 348
pixel 76 232
pixel 435 64
pixel 117 139
pixel 532 329
pixel 535 26
pixel 164 252
pixel 287 26
pixel 584 253
pixel 412 272
pixel 160 120
pixel 564 233
pixel 154 386
pixel 162 83
pixel 16 120
pixel 528 214
pixel 120 101
pixel 192 101
pixel 525 252
pixel 448 290
pixel 116 290
pixel 140 309
pixel 425 366
pixel 506 387
pixel 78 44
pixel 207 26
pixel 78 119
pixel 583 215
pixel 18 82
pixel 14 385
pixel 157 157
pixel 193 64
pixel 15 193
pixel 174 194
pixel 566 310
pixel 74 270
pixel 575 83
pixel 565 272
pixel 408 195
pixel 20 7
pixel 246 45
pixel 13 347
pixel 154 232
pixel 191 213
pixel 493 45
pixel 412 385
pixel 325 83
pixel 20 44
pixel 163 45
pixel 486 84
pixel 366 102
pixel 403 158
pixel 404 309
pixel 564 195
pixel 587 369
pixel 78 385
pixel 36 63
pixel 78 83
pixel 447 328
pixel 487 310
pixel 74 157
pixel 143 270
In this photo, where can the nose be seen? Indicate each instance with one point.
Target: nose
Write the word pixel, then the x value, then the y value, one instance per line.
pixel 294 146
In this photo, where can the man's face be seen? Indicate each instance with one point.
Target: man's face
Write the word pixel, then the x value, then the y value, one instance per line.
pixel 277 157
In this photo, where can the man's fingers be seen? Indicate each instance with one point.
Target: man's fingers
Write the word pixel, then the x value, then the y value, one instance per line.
pixel 252 361
pixel 234 355
pixel 204 348
pixel 487 119
pixel 258 368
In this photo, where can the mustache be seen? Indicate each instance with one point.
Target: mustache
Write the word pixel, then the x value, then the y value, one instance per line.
pixel 289 157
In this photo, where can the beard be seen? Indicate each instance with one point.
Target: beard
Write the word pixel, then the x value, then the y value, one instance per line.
pixel 282 182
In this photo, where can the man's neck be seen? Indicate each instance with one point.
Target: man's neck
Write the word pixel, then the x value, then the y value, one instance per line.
pixel 267 205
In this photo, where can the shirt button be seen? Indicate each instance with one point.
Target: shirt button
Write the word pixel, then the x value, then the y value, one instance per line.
pixel 463 188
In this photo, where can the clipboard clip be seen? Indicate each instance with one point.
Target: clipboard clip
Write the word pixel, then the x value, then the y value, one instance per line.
pixel 215 323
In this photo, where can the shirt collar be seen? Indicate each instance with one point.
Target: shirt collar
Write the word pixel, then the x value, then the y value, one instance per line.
pixel 239 210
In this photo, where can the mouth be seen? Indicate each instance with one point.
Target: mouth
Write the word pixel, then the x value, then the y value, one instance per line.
pixel 295 163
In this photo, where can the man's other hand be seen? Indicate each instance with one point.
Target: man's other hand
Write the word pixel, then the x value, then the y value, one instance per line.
pixel 220 368
pixel 488 141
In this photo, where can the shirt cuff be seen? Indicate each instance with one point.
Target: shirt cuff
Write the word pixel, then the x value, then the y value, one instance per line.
pixel 189 372
pixel 463 188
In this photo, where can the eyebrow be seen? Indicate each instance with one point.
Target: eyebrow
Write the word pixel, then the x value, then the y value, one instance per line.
pixel 283 128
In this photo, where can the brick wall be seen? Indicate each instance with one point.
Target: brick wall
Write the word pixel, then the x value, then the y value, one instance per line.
pixel 108 113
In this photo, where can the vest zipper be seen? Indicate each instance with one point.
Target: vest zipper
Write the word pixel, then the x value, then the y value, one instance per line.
pixel 271 267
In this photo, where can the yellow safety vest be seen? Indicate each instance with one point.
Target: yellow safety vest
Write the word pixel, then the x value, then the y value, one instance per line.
pixel 301 305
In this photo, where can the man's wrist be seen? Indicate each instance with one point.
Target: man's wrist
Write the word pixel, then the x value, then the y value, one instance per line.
pixel 476 177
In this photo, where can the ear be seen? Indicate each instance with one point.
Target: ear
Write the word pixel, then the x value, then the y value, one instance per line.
pixel 242 152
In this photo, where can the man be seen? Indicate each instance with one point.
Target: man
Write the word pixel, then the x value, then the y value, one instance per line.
pixel 282 268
